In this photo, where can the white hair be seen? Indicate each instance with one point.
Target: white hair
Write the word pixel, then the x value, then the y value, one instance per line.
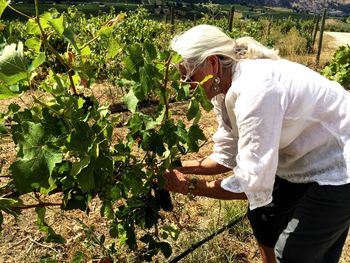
pixel 202 41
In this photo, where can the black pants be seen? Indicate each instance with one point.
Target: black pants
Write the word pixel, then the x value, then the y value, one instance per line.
pixel 304 222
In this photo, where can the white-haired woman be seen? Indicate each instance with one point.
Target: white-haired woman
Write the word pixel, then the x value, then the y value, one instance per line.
pixel 274 117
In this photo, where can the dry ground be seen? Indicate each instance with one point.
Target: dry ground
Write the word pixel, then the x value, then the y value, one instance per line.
pixel 22 242
pixel 339 38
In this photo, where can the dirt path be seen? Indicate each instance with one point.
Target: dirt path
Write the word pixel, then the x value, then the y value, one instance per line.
pixel 339 38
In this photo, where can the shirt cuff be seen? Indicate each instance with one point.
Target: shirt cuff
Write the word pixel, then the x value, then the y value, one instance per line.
pixel 255 199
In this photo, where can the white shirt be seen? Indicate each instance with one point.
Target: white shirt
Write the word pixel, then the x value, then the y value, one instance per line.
pixel 280 117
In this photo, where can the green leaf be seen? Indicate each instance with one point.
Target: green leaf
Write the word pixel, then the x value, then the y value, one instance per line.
pixel 86 179
pixel 33 43
pixel 165 248
pixel 113 48
pixel 151 51
pixel 13 66
pixel 195 134
pixel 172 231
pixel 38 160
pixel 78 257
pixel 136 55
pixel 107 210
pixel 3 129
pixel 113 230
pixel 129 68
pixel 193 110
pixel 79 166
pixel 131 101
pixel 33 28
pixel 3 5
pixel 68 34
pixel 13 108
pixel 105 31
pixel 39 59
pixel 57 24
pixel 9 205
pixel 51 235
pixel 203 99
pixel 176 59
pixel 7 93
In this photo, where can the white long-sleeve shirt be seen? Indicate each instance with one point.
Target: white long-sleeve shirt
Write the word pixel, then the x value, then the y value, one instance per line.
pixel 280 117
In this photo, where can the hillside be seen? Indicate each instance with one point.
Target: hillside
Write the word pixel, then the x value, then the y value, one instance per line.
pixel 336 7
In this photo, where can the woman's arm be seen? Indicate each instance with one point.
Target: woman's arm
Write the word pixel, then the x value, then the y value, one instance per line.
pixel 176 181
pixel 205 166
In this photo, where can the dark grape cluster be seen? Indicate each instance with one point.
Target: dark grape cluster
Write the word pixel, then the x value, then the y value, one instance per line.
pixel 119 169
pixel 88 104
pixel 159 197
pixel 162 197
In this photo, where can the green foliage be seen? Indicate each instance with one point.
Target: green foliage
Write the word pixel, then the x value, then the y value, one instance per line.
pixel 65 142
pixel 339 67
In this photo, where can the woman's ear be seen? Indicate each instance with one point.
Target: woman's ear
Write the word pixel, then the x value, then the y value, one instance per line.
pixel 214 63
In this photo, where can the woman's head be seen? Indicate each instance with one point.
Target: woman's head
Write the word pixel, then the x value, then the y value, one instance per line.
pixel 200 44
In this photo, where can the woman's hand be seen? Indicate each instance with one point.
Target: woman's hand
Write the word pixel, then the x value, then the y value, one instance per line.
pixel 176 181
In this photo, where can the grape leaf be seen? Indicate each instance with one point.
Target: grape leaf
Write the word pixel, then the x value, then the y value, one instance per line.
pixel 86 179
pixel 38 60
pixel 44 227
pixel 131 100
pixel 193 110
pixel 38 159
pixel 13 66
pixel 8 205
pixel 3 5
pixel 57 24
pixel 9 92
pixel 33 43
pixel 32 27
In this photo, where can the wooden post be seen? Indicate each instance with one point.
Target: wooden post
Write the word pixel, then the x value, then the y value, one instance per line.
pixel 195 19
pixel 314 32
pixel 321 36
pixel 172 16
pixel 230 18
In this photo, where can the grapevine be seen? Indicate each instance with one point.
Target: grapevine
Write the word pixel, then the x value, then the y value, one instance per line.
pixel 338 68
pixel 65 142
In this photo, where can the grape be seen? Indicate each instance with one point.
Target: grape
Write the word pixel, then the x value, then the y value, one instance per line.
pixel 164 199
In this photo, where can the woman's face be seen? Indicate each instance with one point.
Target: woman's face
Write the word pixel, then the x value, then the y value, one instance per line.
pixel 200 73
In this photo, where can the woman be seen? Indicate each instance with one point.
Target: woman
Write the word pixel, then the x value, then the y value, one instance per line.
pixel 275 117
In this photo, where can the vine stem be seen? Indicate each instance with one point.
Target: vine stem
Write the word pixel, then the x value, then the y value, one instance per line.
pixel 43 204
pixel 165 83
pixel 19 12
pixel 52 49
